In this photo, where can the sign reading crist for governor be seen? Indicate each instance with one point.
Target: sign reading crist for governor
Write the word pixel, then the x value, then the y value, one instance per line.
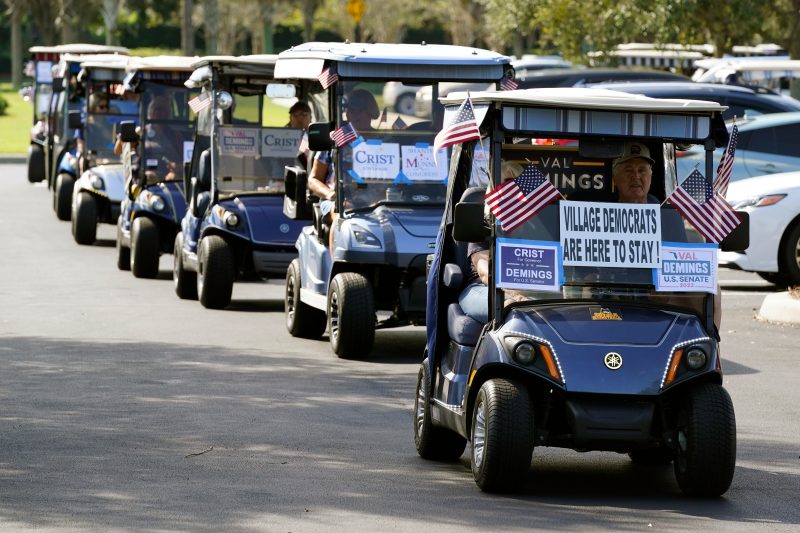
pixel 610 234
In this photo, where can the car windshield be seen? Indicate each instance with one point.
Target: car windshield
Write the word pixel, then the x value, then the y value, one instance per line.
pixel 167 131
pixel 391 158
pixel 585 244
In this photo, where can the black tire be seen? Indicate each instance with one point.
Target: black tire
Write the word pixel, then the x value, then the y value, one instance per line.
pixel 84 219
pixel 123 252
pixel 215 272
pixel 62 195
pixel 185 281
pixel 145 248
pixel 652 456
pixel 502 436
pixel 36 172
pixel 706 442
pixel 405 104
pixel 789 256
pixel 302 320
pixel 351 315
pixel 776 278
pixel 432 442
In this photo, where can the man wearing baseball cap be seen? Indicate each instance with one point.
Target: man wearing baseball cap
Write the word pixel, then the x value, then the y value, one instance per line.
pixel 632 174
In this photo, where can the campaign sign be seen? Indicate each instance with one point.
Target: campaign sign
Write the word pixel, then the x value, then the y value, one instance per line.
pixel 480 167
pixel 239 141
pixel 375 159
pixel 528 265
pixel 280 142
pixel 687 267
pixel 418 163
pixel 188 148
pixel 610 234
pixel 44 72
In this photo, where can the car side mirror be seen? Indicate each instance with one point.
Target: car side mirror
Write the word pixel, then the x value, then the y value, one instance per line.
pixel 319 136
pixel 127 131
pixel 469 224
pixel 739 239
pixel 74 120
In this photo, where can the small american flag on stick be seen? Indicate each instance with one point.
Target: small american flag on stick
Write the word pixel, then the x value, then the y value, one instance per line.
pixel 328 77
pixel 518 199
pixel 706 210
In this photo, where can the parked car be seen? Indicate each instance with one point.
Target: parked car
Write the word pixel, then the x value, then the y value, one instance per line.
pixel 773 203
pixel 767 145
pixel 530 63
pixel 742 102
pixel 400 97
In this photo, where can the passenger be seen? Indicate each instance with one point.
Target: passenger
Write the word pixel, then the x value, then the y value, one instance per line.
pixel 360 110
pixel 98 103
pixel 299 115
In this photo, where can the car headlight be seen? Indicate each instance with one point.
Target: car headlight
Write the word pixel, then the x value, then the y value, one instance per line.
pixel 534 353
pixel 524 352
pixel 758 201
pixel 229 218
pixel 364 237
pixel 97 182
pixel 696 358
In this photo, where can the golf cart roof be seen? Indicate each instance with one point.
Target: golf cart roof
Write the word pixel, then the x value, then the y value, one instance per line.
pixel 748 69
pixel 79 48
pixel 247 63
pixel 162 63
pixel 387 61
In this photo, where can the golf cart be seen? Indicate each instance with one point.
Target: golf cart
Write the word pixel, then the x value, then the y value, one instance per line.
pixel 234 227
pixel 54 93
pixel 389 189
pixel 98 192
pixel 153 161
pixel 601 330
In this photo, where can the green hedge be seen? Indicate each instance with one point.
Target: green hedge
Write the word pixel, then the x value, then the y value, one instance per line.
pixel 3 105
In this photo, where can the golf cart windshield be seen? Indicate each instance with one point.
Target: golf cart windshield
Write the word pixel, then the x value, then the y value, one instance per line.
pixel 167 131
pixel 107 108
pixel 390 159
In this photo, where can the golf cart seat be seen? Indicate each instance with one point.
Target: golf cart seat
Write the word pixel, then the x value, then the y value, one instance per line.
pixel 462 328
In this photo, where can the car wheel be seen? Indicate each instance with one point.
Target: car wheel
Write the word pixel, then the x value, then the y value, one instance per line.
pixel 706 442
pixel 185 281
pixel 215 272
pixel 776 278
pixel 62 195
pixel 302 320
pixel 145 248
pixel 502 436
pixel 35 163
pixel 432 442
pixel 652 456
pixel 123 252
pixel 84 219
pixel 790 256
pixel 351 315
pixel 405 104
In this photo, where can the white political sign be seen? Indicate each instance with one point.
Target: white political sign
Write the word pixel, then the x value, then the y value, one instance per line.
pixel 418 163
pixel 280 142
pixel 374 159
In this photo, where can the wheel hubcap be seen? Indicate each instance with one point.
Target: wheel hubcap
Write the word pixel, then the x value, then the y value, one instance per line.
pixel 420 407
pixel 479 435
pixel 334 316
pixel 797 253
pixel 290 299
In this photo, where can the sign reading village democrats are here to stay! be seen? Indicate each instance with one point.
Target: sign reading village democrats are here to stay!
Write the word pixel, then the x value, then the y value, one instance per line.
pixel 610 234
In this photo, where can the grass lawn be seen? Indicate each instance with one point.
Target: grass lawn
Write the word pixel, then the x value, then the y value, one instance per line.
pixel 15 125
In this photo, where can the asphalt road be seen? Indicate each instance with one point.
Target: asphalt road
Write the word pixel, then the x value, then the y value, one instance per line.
pixel 125 408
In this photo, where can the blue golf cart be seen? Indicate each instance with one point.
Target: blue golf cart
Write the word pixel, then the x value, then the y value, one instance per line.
pixel 97 194
pixel 601 331
pixel 389 186
pixel 153 161
pixel 234 227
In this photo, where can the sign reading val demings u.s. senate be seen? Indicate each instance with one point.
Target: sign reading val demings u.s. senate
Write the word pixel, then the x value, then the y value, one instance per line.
pixel 610 234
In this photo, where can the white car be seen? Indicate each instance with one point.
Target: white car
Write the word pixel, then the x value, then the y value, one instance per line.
pixel 400 97
pixel 773 202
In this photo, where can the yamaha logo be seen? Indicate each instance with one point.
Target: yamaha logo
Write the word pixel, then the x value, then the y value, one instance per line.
pixel 284 228
pixel 613 361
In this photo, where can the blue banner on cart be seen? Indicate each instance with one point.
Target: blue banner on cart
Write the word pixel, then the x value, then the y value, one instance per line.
pixel 528 265
pixel 687 268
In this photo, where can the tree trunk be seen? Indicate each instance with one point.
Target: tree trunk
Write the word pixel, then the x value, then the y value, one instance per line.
pixel 212 26
pixel 187 30
pixel 16 44
pixel 267 35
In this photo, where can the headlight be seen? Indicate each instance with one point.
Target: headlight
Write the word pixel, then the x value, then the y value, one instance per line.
pixel 157 203
pixel 364 237
pixel 696 358
pixel 97 182
pixel 524 352
pixel 230 219
pixel 758 201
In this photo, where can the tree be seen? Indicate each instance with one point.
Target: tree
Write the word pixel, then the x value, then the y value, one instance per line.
pixel 14 11
pixel 110 11
pixel 187 29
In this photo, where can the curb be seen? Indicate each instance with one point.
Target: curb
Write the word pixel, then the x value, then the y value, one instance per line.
pixel 13 158
pixel 780 307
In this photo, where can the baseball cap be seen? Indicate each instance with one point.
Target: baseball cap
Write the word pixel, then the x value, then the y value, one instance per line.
pixel 632 151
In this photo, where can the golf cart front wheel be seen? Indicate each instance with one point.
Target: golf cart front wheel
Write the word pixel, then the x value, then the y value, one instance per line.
pixel 62 195
pixel 185 281
pixel 84 219
pixel 351 315
pixel 502 435
pixel 302 320
pixel 123 252
pixel 216 272
pixel 705 456
pixel 145 248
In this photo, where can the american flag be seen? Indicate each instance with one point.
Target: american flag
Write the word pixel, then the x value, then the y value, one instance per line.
pixel 399 124
pixel 303 146
pixel 517 200
pixel 706 210
pixel 328 77
pixel 384 116
pixel 200 102
pixel 344 135
pixel 508 83
pixel 463 128
pixel 725 167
